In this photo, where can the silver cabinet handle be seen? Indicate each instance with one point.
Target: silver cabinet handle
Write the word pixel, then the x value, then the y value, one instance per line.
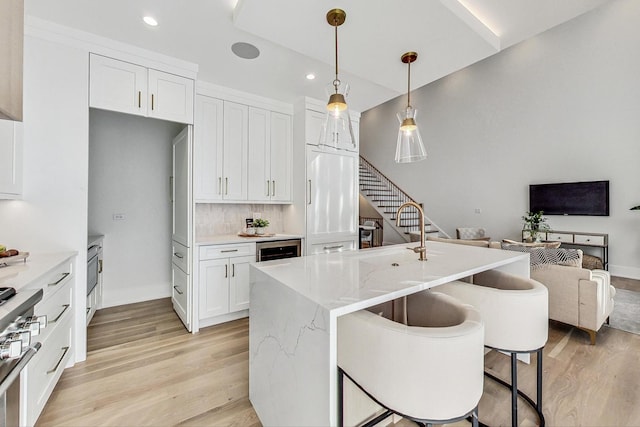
pixel 65 307
pixel 273 188
pixel 171 189
pixel 226 270
pixel 88 310
pixel 267 188
pixel 326 248
pixel 178 255
pixel 56 283
pixel 100 266
pixel 229 250
pixel 226 186
pixel 309 198
pixel 139 99
pixel 233 270
pixel 64 353
pixel 152 97
pixel 178 290
pixel 219 185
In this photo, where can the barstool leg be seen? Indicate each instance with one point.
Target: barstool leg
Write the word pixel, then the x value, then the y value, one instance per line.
pixel 514 390
pixel 539 380
pixel 474 417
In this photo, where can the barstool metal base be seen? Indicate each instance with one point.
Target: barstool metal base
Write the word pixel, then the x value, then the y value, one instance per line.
pixel 472 415
pixel 536 406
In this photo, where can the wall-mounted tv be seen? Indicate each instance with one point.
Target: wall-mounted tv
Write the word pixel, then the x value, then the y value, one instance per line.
pixel 570 198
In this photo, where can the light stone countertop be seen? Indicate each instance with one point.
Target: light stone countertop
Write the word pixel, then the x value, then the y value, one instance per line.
pixel 349 281
pixel 20 274
pixel 234 238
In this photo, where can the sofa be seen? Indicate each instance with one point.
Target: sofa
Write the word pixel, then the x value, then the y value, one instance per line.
pixel 577 296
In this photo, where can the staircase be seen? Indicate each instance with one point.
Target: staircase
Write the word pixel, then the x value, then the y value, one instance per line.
pixel 386 198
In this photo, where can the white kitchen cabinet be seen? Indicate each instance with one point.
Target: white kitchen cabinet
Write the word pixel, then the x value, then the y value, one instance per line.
pixel 11 147
pixel 44 370
pixel 325 188
pixel 182 213
pixel 207 147
pixel 234 152
pixel 220 150
pixel 270 156
pixel 223 282
pixel 332 195
pixel 133 89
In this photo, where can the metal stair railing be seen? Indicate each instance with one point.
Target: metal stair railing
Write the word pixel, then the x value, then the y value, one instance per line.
pixel 388 197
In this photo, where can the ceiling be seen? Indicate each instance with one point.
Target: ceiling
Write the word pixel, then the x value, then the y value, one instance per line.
pixel 295 39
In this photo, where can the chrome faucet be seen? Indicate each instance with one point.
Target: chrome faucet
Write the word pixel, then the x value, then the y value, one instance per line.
pixel 422 249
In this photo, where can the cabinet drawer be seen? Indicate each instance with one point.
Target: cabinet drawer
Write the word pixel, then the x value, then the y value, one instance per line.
pixel 227 251
pixel 55 279
pixel 584 239
pixel 44 370
pixel 328 247
pixel 180 256
pixel 57 308
pixel 560 237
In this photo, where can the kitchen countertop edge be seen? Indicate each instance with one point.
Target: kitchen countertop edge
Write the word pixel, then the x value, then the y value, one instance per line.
pixel 234 238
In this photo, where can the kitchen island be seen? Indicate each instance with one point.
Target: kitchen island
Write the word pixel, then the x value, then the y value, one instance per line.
pixel 295 304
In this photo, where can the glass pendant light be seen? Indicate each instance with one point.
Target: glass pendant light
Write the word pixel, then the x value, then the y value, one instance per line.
pixel 337 129
pixel 409 147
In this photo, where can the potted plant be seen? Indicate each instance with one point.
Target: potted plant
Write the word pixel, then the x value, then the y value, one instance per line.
pixel 534 223
pixel 260 224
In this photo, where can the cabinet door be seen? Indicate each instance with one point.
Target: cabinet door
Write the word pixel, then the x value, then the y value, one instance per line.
pixel 207 148
pixel 331 194
pixel 181 191
pixel 170 97
pixel 313 122
pixel 239 283
pixel 259 155
pixel 10 159
pixel 281 157
pixel 180 295
pixel 213 295
pixel 117 86
pixel 234 182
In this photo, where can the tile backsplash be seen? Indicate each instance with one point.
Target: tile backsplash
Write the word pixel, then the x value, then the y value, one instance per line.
pixel 217 218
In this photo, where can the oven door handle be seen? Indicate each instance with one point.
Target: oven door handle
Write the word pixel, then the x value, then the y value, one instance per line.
pixel 14 374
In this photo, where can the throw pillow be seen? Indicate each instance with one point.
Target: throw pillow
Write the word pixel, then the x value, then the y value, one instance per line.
pixel 546 256
pixel 548 245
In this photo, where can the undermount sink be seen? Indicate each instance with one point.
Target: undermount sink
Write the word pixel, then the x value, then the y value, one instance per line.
pixel 394 256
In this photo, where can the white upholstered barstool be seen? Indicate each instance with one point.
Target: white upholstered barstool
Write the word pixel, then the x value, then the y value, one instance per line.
pixel 428 371
pixel 515 313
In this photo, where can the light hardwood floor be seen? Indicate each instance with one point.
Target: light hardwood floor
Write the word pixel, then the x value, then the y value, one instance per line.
pixel 143 368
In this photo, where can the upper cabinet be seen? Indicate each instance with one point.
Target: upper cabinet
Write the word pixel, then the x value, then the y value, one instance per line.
pixel 11 49
pixel 241 153
pixel 10 159
pixel 270 155
pixel 133 89
pixel 314 120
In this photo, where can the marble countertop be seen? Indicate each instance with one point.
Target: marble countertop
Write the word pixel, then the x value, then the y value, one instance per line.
pixel 234 238
pixel 20 274
pixel 350 281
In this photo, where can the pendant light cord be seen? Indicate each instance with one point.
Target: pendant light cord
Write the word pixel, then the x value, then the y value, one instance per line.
pixel 336 82
pixel 409 85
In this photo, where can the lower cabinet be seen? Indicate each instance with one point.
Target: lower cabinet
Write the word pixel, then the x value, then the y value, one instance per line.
pixel 45 368
pixel 180 294
pixel 223 282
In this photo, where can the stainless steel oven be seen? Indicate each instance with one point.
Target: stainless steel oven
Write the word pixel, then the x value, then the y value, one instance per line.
pixel 93 267
pixel 278 249
pixel 18 328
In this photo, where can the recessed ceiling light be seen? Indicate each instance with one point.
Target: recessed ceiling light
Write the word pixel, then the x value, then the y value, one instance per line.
pixel 311 76
pixel 245 50
pixel 150 21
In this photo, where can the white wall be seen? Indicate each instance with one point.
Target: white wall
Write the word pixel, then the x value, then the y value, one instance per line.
pixel 563 106
pixel 53 213
pixel 129 170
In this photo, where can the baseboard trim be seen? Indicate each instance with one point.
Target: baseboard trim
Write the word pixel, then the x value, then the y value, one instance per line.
pixel 624 271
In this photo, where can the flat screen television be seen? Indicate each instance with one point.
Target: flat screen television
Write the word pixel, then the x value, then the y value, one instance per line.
pixel 570 198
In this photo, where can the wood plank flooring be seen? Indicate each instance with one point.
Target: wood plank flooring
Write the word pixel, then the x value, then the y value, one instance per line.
pixel 144 369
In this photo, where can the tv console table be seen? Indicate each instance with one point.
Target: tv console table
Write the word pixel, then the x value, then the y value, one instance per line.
pixel 578 239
